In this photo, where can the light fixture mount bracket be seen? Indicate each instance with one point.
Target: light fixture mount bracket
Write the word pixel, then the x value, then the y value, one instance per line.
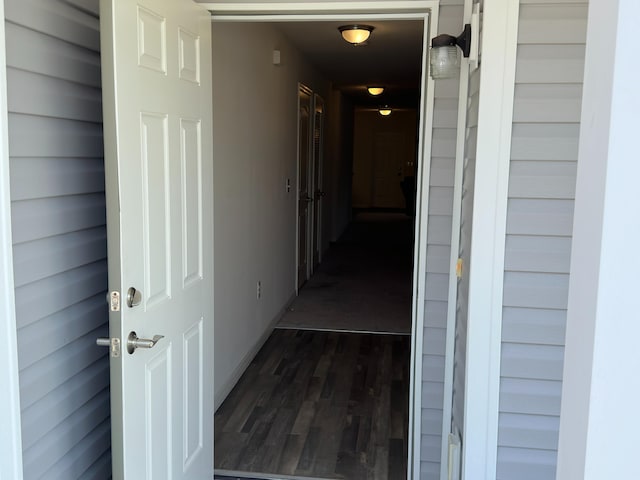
pixel 463 40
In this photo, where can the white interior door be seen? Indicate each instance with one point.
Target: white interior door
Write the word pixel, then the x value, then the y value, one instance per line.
pixel 156 64
pixel 318 193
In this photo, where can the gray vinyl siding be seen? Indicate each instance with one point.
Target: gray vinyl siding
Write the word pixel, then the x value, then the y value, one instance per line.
pixel 443 154
pixel 59 236
pixel 544 151
pixel 466 227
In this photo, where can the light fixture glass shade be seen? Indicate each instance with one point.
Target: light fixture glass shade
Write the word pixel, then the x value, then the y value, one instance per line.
pixel 444 61
pixel 384 111
pixel 355 34
pixel 375 91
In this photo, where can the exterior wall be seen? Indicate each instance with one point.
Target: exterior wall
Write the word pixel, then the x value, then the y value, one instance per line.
pixel 466 227
pixel 255 128
pixel 59 236
pixel 544 152
pixel 443 154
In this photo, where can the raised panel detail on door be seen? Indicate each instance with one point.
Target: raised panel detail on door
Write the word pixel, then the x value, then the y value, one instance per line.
pixel 152 49
pixel 158 414
pixel 193 388
pixel 191 164
pixel 189 53
pixel 156 208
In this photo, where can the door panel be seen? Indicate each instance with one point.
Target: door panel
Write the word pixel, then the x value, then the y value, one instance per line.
pixel 157 112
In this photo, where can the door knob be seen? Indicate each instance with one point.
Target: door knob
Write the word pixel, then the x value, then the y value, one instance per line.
pixel 134 342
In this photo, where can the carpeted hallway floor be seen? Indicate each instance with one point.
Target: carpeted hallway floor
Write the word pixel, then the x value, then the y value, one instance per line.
pixel 364 281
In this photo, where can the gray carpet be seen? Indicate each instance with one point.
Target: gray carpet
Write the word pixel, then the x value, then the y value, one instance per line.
pixel 364 281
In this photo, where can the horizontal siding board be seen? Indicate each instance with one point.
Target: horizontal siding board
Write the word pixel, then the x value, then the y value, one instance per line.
pixel 45 257
pixel 438 259
pixel 36 94
pixel 61 440
pixel 429 470
pixel 541 397
pixel 540 142
pixel 81 457
pixel 433 368
pixel 526 464
pixel 550 64
pixel 52 333
pixel 52 294
pixel 51 57
pixel 31 136
pixel 64 400
pixel 445 113
pixel 533 325
pixel 437 286
pixel 529 431
pixel 41 218
pixel 432 394
pixel 540 217
pixel 56 19
pixel 42 378
pixel 439 232
pixel 434 341
pixel 553 24
pixel 440 200
pixel 443 143
pixel 431 423
pixel 430 448
pixel 547 103
pixel 537 254
pixel 436 314
pixel 442 172
pixel 553 180
pixel 535 290
pixel 43 177
pixel 536 362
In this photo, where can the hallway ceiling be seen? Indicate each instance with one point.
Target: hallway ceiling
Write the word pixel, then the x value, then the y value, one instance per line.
pixel 392 58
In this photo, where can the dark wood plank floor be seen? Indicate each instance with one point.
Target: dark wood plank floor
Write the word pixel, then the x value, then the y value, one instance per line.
pixel 319 404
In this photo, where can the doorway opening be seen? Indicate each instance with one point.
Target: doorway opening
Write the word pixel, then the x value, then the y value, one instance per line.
pixel 335 216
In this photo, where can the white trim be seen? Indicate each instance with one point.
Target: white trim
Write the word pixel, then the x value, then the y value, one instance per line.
pixel 600 389
pixel 425 136
pixel 452 297
pixel 323 8
pixel 486 268
pixel 428 11
pixel 10 433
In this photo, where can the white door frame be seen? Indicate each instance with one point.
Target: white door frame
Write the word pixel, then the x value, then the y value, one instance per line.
pixel 428 11
pixel 10 433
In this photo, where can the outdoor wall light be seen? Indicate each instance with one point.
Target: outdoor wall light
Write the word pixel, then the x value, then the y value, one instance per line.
pixel 375 91
pixel 384 111
pixel 444 58
pixel 355 34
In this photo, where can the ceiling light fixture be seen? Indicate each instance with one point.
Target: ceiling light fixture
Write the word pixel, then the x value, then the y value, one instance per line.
pixel 355 34
pixel 375 91
pixel 384 111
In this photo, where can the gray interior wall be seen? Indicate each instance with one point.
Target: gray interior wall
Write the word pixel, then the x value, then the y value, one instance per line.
pixel 443 154
pixel 544 151
pixel 255 124
pixel 59 236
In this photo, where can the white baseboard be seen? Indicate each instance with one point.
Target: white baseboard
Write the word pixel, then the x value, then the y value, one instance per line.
pixel 225 390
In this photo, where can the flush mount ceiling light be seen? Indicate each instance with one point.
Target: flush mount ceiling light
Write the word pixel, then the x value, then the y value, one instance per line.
pixel 375 91
pixel 384 111
pixel 355 34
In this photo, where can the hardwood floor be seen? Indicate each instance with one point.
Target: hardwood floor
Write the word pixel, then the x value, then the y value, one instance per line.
pixel 319 404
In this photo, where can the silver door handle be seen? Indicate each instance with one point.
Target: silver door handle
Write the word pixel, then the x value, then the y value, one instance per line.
pixel 134 342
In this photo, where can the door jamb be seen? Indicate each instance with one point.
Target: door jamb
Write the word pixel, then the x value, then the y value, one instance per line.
pixel 11 433
pixel 428 11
